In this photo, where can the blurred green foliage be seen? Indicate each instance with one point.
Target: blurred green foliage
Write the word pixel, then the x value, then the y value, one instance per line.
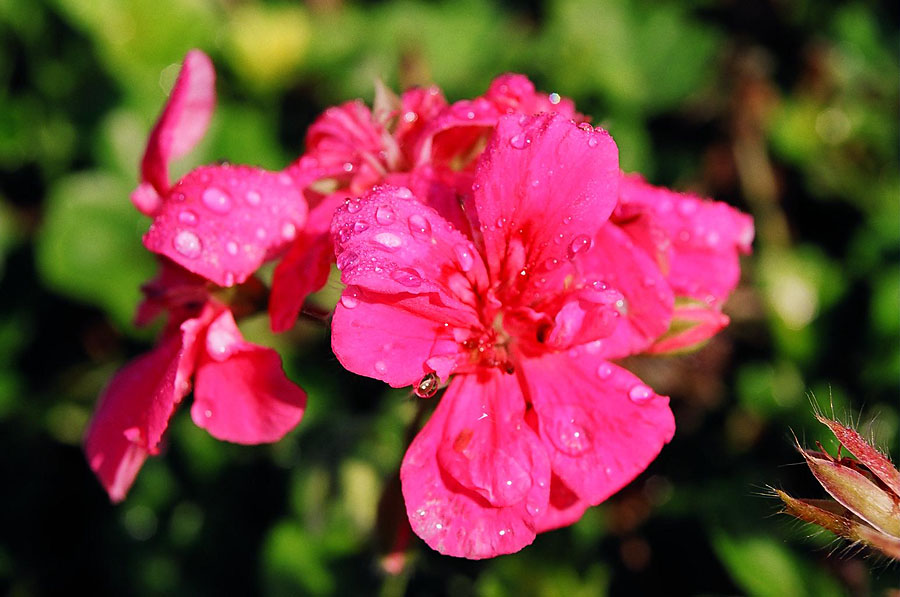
pixel 786 110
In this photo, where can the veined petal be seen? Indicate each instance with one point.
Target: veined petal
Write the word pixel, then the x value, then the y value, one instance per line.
pixel 241 393
pixel 396 338
pixel 480 418
pixel 184 120
pixel 223 222
pixel 705 237
pixel 389 242
pixel 543 187
pixel 600 424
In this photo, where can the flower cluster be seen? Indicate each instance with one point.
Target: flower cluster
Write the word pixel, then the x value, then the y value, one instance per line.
pixel 491 247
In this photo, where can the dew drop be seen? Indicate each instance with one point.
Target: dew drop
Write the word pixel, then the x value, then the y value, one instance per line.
pixel 348 167
pixel 231 247
pixel 604 371
pixel 350 297
pixel 428 385
pixel 712 238
pixel 463 257
pixel 187 217
pixel 519 141
pixel 554 98
pixel 407 277
pixel 404 193
pixel 253 198
pixel 567 433
pixel 346 259
pixel 353 205
pixel 380 367
pixel 580 244
pixel 187 244
pixel 388 240
pixel 207 413
pixel 686 207
pixel 420 227
pixel 360 226
pixel 288 230
pixel 384 215
pixel 593 141
pixel 217 200
pixel 640 394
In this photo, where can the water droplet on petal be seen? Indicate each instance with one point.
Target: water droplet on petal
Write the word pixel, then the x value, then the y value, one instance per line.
pixel 346 259
pixel 207 413
pixel 580 244
pixel 231 247
pixel 261 233
pixel 519 141
pixel 187 217
pixel 217 200
pixel 464 257
pixel 188 244
pixel 229 279
pixel 348 167
pixel 350 297
pixel 567 433
pixel 428 385
pixel 384 215
pixel 420 227
pixel 554 98
pixel 388 240
pixel 380 367
pixel 712 238
pixel 404 193
pixel 360 226
pixel 288 230
pixel 353 205
pixel 253 198
pixel 407 277
pixel 604 371
pixel 640 394
pixel 686 207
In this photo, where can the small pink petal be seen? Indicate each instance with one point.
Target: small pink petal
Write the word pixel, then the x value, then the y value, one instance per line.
pixel 515 93
pixel 223 222
pixel 134 410
pixel 241 393
pixel 647 301
pixel 542 183
pixel 600 424
pixel 174 290
pixel 305 267
pixel 691 325
pixel 454 519
pixel 184 119
pixel 456 136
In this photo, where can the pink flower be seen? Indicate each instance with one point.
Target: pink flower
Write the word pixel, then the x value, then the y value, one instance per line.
pixel 536 424
pixel 695 244
pixel 218 223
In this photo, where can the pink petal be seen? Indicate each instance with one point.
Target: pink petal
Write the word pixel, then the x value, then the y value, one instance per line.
pixel 241 393
pixel 564 509
pixel 305 267
pixel 395 338
pixel 457 136
pixel 184 119
pixel 647 300
pixel 705 237
pixel 478 434
pixel 600 424
pixel 418 107
pixel 515 93
pixel 691 325
pixel 390 243
pixel 134 410
pixel 223 222
pixel 174 289
pixel 542 187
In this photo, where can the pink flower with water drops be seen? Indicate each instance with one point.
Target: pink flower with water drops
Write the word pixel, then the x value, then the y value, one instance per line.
pixel 240 391
pixel 215 226
pixel 536 424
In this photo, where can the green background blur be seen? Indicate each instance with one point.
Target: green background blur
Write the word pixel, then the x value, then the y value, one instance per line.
pixel 788 110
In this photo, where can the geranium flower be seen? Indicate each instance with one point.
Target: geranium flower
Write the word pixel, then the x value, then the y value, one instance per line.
pixel 213 228
pixel 536 424
pixel 415 140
